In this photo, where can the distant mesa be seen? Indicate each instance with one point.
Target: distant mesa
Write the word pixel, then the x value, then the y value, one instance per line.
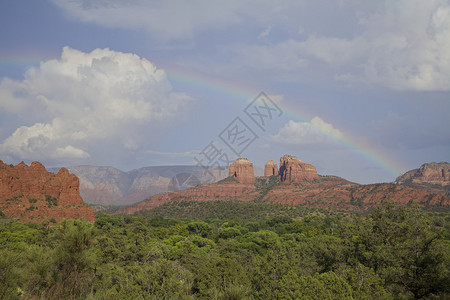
pixel 431 173
pixel 32 194
pixel 293 169
pixel 242 170
pixel 270 169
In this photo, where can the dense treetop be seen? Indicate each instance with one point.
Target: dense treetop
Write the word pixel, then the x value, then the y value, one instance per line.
pixel 281 252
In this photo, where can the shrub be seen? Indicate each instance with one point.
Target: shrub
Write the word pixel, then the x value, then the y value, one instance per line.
pixel 51 201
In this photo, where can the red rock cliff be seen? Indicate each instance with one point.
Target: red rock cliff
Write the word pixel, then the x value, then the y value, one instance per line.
pixel 293 169
pixel 270 169
pixel 432 173
pixel 32 194
pixel 242 170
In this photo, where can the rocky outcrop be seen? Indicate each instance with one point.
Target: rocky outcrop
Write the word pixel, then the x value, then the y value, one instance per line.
pixel 270 169
pixel 433 178
pixel 293 169
pixel 432 173
pixel 32 194
pixel 242 170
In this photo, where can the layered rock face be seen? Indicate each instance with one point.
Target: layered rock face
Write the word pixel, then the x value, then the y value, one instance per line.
pixel 270 169
pixel 293 169
pixel 242 170
pixel 32 194
pixel 432 173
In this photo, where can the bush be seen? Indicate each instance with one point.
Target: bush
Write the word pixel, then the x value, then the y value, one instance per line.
pixel 51 201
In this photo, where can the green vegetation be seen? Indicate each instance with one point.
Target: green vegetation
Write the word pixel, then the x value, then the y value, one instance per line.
pixel 14 199
pixel 228 179
pixel 31 208
pixel 265 184
pixel 229 210
pixel 32 200
pixel 281 253
pixel 51 201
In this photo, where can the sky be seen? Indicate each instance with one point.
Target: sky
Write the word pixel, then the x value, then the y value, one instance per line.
pixel 359 89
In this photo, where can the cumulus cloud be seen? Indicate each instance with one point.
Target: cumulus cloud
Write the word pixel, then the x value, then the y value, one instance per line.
pixel 317 132
pixel 83 98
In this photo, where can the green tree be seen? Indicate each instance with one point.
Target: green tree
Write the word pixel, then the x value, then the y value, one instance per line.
pixel 403 250
pixel 10 276
pixel 74 260
pixel 199 228
pixel 319 286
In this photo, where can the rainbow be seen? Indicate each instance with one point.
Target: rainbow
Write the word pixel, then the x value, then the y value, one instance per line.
pixel 237 93
pixel 365 150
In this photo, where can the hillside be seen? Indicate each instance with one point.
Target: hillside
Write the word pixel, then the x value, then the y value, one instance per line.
pixel 32 194
pixel 297 184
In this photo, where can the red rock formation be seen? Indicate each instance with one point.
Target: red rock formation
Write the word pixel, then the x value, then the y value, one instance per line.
pixel 310 189
pixel 432 173
pixel 32 194
pixel 242 170
pixel 338 194
pixel 326 192
pixel 293 169
pixel 270 169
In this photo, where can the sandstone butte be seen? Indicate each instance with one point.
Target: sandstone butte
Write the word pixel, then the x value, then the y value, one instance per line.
pixel 242 170
pixel 270 169
pixel 32 194
pixel 293 169
pixel 298 184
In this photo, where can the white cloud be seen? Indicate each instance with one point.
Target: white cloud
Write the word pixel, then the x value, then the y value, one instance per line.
pixel 165 19
pixel 314 133
pixel 179 19
pixel 71 152
pixel 83 98
pixel 399 44
pixel 402 45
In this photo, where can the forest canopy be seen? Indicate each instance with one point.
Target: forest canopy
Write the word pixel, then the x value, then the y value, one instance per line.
pixel 277 252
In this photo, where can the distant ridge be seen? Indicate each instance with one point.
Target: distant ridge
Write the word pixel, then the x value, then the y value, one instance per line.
pixel 298 184
pixel 111 186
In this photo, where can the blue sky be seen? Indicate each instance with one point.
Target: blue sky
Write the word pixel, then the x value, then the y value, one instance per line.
pixel 362 86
